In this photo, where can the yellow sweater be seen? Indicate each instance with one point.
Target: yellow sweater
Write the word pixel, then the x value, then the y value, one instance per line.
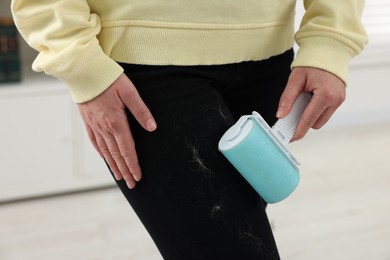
pixel 81 41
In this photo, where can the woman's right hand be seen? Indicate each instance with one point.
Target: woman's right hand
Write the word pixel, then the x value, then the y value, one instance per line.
pixel 109 131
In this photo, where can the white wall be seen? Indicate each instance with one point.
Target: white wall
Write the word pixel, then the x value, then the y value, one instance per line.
pixel 368 91
pixel 369 88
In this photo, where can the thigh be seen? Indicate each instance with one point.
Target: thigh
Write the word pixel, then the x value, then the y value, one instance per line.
pixel 191 200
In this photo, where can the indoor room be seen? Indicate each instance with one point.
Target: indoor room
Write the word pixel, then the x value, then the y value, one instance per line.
pixel 58 200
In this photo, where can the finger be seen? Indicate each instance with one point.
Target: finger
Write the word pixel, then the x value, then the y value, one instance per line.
pixel 334 101
pixel 103 148
pixel 295 85
pixel 127 150
pixel 119 160
pixel 324 118
pixel 92 138
pixel 312 113
pixel 137 107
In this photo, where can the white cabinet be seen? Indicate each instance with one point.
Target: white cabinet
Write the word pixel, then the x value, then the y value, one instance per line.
pixel 43 145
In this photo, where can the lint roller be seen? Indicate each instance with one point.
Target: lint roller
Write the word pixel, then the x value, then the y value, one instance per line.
pixel 260 152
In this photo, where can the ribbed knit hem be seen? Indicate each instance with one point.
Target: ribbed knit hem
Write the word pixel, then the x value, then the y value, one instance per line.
pixel 94 74
pixel 155 45
pixel 325 53
pixel 97 67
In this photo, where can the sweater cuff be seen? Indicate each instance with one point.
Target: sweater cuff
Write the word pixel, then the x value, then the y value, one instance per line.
pixel 324 53
pixel 93 75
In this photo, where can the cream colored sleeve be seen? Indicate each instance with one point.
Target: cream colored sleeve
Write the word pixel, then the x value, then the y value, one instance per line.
pixel 330 35
pixel 64 34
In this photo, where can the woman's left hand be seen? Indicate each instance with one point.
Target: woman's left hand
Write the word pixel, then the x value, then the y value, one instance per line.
pixel 328 94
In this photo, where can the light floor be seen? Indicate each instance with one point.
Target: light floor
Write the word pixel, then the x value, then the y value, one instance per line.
pixel 341 210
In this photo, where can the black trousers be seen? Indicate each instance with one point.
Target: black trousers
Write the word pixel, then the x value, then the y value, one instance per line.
pixel 193 203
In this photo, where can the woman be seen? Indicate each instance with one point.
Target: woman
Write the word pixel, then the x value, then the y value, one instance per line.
pixel 185 71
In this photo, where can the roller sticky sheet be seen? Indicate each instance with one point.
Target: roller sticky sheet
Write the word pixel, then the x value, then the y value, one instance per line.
pixel 260 152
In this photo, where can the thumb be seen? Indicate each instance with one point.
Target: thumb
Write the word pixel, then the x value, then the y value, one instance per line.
pixel 132 100
pixel 295 85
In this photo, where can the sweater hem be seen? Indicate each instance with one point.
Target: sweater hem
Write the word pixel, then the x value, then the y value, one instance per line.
pixel 177 46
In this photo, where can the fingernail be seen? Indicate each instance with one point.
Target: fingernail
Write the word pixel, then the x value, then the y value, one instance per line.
pixel 130 185
pixel 151 125
pixel 280 112
pixel 137 178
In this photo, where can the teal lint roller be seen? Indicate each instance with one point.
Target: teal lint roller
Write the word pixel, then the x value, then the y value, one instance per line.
pixel 260 152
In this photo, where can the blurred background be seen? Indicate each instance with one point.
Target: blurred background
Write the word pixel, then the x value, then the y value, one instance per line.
pixel 57 200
